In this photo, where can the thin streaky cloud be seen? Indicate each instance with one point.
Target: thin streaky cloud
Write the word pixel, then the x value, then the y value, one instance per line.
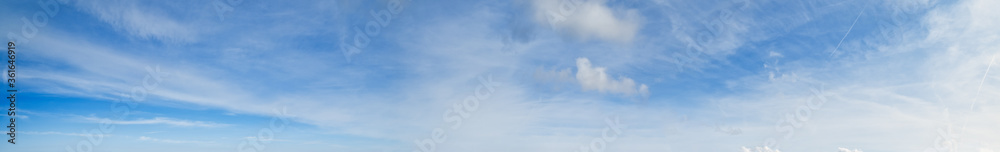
pixel 697 65
pixel 155 121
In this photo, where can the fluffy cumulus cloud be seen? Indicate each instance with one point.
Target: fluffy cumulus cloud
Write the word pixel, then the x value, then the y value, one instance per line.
pixel 591 78
pixel 588 18
pixel 595 78
pixel 759 149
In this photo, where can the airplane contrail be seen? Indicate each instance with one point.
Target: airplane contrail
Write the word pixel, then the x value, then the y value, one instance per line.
pixel 848 31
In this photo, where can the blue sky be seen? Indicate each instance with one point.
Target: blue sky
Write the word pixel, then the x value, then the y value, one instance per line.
pixel 521 75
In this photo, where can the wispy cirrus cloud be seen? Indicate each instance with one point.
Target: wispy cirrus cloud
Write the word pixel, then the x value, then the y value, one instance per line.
pixel 156 121
pixel 145 138
pixel 895 91
pixel 58 133
pixel 139 20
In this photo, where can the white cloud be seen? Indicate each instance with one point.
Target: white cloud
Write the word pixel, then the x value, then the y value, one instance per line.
pixel 21 116
pixel 58 133
pixel 137 20
pixel 775 54
pixel 759 149
pixel 144 138
pixel 588 18
pixel 157 120
pixel 872 106
pixel 895 91
pixel 848 150
pixel 595 78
